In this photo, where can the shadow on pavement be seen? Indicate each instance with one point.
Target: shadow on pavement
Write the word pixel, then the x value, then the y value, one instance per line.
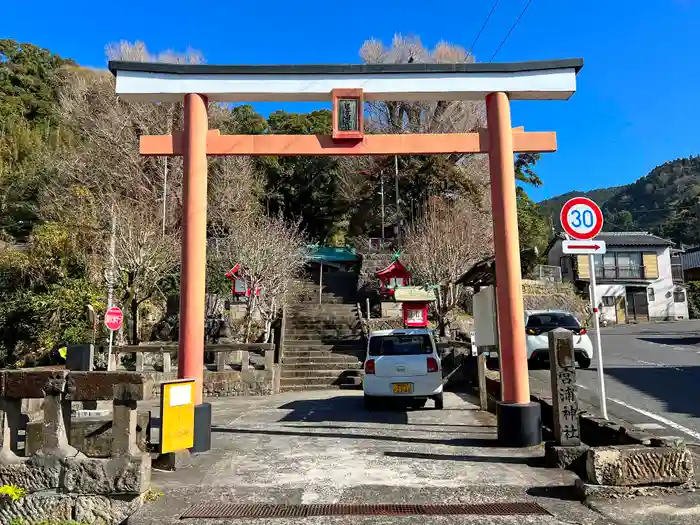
pixel 463 442
pixel 473 430
pixel 349 409
pixel 531 462
pixel 672 340
pixel 561 492
pixel 677 387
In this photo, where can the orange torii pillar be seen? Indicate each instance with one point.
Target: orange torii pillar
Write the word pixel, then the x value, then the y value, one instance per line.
pixel 519 419
pixel 194 261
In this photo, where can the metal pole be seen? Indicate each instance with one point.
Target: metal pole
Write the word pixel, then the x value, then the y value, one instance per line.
pixel 320 284
pixel 165 190
pixel 381 178
pixel 110 282
pixel 598 348
pixel 399 218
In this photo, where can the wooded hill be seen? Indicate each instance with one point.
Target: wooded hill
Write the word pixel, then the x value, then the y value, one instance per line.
pixel 665 202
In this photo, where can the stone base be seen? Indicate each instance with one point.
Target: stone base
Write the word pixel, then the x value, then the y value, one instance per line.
pixel 172 460
pixel 589 491
pixel 126 475
pixel 559 456
pixel 96 510
pixel 519 425
pixel 633 465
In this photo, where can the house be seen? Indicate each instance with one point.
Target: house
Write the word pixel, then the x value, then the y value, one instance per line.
pixel 639 278
pixel 691 264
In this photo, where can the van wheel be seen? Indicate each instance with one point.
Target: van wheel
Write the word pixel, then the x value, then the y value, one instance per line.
pixel 584 362
pixel 439 403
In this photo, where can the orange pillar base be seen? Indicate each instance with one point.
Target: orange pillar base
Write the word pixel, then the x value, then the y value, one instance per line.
pixel 519 420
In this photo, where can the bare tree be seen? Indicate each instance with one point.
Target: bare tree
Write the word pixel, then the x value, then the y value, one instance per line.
pixel 270 254
pixel 103 177
pixel 443 245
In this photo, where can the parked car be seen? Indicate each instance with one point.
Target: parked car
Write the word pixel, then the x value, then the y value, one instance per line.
pixel 537 325
pixel 402 364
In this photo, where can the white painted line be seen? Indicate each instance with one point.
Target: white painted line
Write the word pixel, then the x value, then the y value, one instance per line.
pixel 649 426
pixel 656 417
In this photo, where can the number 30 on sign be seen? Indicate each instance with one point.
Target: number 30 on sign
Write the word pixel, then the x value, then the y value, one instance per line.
pixel 581 218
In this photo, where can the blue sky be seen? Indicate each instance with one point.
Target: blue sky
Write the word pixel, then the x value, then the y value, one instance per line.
pixel 635 108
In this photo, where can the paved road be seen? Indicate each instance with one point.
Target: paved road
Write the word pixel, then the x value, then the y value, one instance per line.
pixel 321 447
pixel 652 375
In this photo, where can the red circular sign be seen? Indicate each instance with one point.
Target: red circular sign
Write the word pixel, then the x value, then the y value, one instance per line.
pixel 114 318
pixel 581 218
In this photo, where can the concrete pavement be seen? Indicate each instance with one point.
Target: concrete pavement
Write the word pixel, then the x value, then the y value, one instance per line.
pixel 324 447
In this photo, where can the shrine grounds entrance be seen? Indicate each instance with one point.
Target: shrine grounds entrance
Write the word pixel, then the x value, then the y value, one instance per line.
pixel 348 86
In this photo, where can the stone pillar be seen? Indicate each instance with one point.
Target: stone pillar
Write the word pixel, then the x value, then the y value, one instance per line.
pixel 167 361
pixel 139 361
pixel 194 243
pixel 54 435
pixel 125 421
pixel 245 360
pixel 221 361
pixel 9 408
pixel 269 359
pixel 567 430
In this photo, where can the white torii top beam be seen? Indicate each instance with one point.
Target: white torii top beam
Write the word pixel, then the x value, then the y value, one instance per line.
pixel 157 82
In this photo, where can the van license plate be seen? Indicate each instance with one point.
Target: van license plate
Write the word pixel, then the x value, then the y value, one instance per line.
pixel 402 388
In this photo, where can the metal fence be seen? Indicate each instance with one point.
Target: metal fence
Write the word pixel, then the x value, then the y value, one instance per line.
pixel 546 273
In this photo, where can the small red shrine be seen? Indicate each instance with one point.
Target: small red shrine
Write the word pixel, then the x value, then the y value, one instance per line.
pixel 415 303
pixel 239 285
pixel 393 276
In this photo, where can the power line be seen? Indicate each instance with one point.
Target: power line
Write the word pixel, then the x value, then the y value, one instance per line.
pixel 511 29
pixel 493 8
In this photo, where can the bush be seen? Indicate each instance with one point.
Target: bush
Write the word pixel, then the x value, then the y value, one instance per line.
pixel 693 291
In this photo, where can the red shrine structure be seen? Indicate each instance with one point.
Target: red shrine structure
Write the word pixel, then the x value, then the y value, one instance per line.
pixel 240 288
pixel 393 276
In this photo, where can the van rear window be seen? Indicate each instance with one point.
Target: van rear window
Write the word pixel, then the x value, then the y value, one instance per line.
pixel 400 345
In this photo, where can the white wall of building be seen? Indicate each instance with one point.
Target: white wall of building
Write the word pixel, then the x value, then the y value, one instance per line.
pixel 662 307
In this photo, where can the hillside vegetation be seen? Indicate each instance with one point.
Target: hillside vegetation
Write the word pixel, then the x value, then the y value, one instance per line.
pixel 665 202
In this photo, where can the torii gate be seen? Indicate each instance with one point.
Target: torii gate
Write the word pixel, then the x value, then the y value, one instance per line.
pixel 347 86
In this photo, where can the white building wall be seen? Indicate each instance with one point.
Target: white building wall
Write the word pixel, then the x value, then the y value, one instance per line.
pixel 663 307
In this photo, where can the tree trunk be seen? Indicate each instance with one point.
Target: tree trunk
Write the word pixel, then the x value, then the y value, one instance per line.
pixel 134 307
pixel 250 310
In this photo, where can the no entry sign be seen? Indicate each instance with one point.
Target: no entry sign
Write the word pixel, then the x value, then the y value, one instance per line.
pixel 114 318
pixel 581 218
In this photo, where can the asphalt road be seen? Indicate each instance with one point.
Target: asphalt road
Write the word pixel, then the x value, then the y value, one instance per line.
pixel 652 376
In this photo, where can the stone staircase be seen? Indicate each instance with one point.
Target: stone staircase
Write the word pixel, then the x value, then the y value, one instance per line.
pixel 323 344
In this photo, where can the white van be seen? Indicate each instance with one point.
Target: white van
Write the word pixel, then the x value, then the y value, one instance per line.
pixel 402 364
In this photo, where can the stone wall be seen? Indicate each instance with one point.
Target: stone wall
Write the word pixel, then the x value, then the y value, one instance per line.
pixel 230 383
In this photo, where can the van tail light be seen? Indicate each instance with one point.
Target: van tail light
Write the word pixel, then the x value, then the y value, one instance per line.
pixel 369 367
pixel 582 331
pixel 433 365
pixel 532 331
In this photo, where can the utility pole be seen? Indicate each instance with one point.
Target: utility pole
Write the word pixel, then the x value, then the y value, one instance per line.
pixel 399 217
pixel 110 282
pixel 165 190
pixel 381 179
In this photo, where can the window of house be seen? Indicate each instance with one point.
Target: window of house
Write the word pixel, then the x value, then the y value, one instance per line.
pixel 608 300
pixel 650 294
pixel 679 296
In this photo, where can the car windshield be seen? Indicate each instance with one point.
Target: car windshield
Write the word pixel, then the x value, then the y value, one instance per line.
pixel 400 344
pixel 551 320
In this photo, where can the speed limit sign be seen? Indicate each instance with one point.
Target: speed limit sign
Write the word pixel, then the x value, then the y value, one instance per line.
pixel 581 218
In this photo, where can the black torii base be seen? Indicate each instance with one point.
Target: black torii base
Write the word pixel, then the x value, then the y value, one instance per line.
pixel 519 425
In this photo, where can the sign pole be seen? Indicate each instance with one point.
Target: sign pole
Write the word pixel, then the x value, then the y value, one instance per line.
pixel 598 347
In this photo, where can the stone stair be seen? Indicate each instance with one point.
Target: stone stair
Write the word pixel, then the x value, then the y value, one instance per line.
pixel 323 344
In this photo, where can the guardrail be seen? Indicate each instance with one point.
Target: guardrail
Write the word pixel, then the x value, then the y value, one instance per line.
pixel 223 354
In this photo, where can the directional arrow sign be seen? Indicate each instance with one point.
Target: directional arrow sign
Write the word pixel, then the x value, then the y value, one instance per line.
pixel 584 247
